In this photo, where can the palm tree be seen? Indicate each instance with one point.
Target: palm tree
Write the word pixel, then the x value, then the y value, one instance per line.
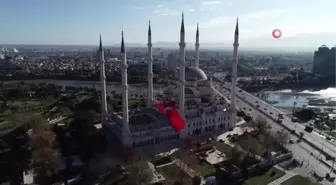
pixel 332 167
pixel 294 104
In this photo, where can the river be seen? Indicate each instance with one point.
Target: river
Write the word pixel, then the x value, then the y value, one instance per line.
pixel 110 86
pixel 286 98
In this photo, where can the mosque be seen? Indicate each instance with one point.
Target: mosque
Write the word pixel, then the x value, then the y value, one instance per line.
pixel 205 111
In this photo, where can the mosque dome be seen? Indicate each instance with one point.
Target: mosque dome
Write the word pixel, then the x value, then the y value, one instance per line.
pixel 194 73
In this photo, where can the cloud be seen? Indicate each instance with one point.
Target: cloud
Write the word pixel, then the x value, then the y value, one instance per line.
pixel 210 3
pixel 268 14
pixel 191 10
pixel 248 17
pixel 136 7
pixel 165 12
pixel 205 9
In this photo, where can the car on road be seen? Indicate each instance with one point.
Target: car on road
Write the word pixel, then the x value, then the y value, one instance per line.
pixel 308 129
pixel 280 116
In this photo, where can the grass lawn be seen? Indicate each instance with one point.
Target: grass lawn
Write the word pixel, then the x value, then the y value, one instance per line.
pixel 223 147
pixel 172 173
pixel 265 178
pixel 299 180
pixel 83 96
pixel 194 163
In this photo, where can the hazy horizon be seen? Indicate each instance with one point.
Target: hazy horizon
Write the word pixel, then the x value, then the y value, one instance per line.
pixel 304 23
pixel 172 45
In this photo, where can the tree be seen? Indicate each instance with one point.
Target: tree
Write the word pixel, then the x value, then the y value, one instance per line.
pixel 197 180
pixel 267 141
pixel 182 155
pixel 282 137
pixel 247 145
pixel 235 155
pixel 301 136
pixel 241 114
pixel 260 125
pixel 42 141
pixel 103 164
pixel 247 118
pixel 305 114
pixel 139 171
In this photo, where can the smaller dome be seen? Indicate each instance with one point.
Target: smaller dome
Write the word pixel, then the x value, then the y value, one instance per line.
pixel 193 73
pixel 188 91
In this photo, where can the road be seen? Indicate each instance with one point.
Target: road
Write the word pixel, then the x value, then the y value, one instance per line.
pixel 301 150
pixel 268 110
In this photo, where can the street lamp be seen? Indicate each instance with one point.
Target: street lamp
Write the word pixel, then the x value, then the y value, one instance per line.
pixel 308 159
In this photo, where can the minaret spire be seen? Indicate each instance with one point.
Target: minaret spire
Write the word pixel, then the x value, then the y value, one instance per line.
pixel 150 68
pixel 234 76
pixel 102 80
pixel 182 69
pixel 127 140
pixel 149 29
pixel 182 23
pixel 122 48
pixel 100 43
pixel 196 63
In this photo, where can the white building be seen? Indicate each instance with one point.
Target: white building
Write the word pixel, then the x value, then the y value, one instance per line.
pixel 205 111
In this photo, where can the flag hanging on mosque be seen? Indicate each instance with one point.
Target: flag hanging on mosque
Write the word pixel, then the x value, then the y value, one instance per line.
pixel 169 109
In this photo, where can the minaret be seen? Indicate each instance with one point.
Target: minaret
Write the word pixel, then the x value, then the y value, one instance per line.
pixel 150 68
pixel 196 63
pixel 234 76
pixel 182 69
pixel 126 131
pixel 102 80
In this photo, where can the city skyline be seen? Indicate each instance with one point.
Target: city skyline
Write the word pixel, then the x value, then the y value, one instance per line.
pixel 303 23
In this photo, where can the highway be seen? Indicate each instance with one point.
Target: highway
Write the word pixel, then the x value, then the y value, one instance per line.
pixel 264 108
pixel 301 150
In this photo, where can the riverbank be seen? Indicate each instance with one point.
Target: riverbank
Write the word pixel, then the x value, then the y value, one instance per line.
pixel 110 86
pixel 287 98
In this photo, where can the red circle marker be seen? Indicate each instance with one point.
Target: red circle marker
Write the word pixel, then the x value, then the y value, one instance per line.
pixel 276 33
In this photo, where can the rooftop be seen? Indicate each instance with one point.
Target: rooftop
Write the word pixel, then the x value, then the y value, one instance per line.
pixel 144 119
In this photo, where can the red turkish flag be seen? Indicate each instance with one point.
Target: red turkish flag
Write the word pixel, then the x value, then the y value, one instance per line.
pixel 169 109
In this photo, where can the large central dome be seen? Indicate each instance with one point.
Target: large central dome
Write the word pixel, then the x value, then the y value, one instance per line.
pixel 194 73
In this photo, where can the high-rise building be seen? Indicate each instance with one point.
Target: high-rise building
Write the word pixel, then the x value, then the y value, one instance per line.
pixel 324 62
pixel 171 63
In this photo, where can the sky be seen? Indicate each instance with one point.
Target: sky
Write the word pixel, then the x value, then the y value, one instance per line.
pixel 304 23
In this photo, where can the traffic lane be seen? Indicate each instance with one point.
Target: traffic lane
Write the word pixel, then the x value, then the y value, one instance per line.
pixel 310 162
